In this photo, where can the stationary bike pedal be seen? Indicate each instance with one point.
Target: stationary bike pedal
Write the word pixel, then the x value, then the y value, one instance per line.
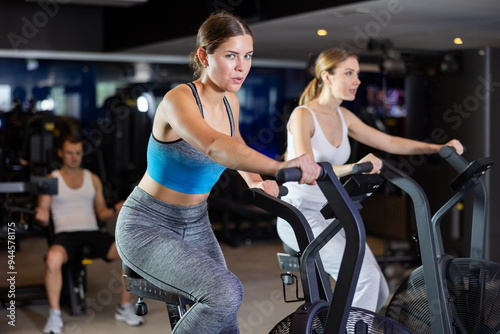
pixel 288 262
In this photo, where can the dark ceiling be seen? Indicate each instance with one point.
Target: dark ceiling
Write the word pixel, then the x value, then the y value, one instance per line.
pixel 161 20
pixel 284 30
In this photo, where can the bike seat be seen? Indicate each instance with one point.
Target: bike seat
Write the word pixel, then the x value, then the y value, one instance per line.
pixel 139 286
pixel 142 288
pixel 129 272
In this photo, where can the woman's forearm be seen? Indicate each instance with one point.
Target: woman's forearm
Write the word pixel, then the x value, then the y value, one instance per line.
pixel 235 155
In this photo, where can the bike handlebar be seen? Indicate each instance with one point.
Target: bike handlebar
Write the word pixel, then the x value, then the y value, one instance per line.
pixel 453 158
pixel 283 191
pixel 295 174
pixel 363 167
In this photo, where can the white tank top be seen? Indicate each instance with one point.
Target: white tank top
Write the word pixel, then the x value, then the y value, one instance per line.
pixel 73 209
pixel 311 196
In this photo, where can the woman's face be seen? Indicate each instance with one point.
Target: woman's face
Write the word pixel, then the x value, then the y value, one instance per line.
pixel 229 65
pixel 345 81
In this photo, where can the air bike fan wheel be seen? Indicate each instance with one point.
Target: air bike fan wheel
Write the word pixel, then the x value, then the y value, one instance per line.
pixel 359 322
pixel 473 291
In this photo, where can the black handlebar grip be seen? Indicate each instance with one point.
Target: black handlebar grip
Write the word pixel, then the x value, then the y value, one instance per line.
pixel 362 167
pixel 289 174
pixel 294 174
pixel 446 151
pixel 283 191
pixel 453 158
pixel 250 194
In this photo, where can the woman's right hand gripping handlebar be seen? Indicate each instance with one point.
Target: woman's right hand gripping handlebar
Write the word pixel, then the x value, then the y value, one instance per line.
pixel 375 161
pixel 309 168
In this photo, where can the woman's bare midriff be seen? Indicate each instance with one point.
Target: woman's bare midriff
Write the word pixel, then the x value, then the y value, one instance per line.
pixel 168 195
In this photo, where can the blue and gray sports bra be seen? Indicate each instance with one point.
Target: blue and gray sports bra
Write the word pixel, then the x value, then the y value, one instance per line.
pixel 179 166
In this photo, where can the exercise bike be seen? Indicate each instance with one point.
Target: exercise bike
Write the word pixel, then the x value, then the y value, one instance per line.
pixel 446 294
pixel 322 310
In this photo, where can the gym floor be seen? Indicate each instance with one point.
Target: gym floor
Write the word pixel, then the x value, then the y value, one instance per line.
pixel 254 263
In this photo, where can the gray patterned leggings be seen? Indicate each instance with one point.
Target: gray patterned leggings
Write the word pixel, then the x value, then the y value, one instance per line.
pixel 175 248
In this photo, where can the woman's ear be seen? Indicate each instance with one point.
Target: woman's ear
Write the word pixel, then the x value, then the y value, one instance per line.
pixel 325 77
pixel 202 56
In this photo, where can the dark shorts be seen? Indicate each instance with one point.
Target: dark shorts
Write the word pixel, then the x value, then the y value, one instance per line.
pixel 73 242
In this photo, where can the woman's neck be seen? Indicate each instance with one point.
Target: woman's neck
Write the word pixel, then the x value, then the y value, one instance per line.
pixel 212 94
pixel 324 106
pixel 326 102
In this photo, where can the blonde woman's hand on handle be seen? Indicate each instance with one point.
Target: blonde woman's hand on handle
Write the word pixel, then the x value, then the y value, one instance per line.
pixel 456 144
pixel 376 162
pixel 269 186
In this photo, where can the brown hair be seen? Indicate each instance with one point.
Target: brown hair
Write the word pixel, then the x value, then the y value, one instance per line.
pixel 71 139
pixel 328 61
pixel 216 29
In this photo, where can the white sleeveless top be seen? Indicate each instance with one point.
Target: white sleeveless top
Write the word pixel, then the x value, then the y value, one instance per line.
pixel 310 196
pixel 73 209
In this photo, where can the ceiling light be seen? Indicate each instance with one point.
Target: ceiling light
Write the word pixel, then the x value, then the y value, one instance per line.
pixel 458 40
pixel 322 32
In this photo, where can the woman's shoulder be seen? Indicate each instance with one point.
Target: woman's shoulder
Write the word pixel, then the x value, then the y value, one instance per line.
pixel 302 116
pixel 178 91
pixel 302 113
pixel 303 110
pixel 180 96
pixel 232 98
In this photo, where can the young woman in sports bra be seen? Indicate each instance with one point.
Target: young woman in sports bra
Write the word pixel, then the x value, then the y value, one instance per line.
pixel 163 232
pixel 320 127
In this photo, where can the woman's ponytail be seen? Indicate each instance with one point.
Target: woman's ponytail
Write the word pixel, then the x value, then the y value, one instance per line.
pixel 310 92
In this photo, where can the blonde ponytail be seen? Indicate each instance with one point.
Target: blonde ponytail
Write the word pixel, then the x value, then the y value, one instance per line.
pixel 311 92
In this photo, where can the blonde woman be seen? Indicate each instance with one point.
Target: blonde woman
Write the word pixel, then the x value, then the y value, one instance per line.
pixel 320 127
